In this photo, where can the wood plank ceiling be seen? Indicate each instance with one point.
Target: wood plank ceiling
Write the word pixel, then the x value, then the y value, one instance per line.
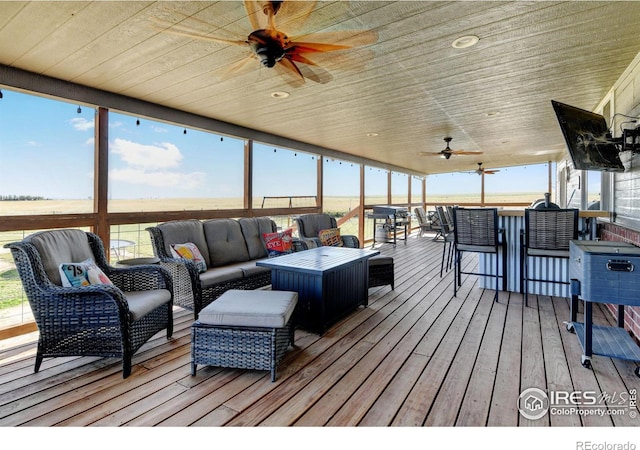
pixel 411 87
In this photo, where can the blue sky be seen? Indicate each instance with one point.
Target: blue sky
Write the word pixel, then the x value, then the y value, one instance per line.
pixel 46 150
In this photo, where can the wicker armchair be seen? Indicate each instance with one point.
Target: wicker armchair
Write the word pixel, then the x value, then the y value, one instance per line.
pixel 546 234
pixel 107 320
pixel 381 267
pixel 310 224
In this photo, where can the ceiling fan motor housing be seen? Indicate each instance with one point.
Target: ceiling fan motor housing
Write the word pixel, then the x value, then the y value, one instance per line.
pixel 268 47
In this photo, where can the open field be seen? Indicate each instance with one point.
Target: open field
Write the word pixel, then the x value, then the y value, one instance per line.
pixel 13 208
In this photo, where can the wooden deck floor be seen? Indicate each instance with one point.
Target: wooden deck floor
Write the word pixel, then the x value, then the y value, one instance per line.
pixel 416 356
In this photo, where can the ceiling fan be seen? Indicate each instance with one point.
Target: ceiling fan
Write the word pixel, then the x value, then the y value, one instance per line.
pixel 447 152
pixel 481 170
pixel 294 58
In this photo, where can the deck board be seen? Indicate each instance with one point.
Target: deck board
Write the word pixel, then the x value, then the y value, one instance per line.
pixel 476 402
pixel 415 356
pixel 506 386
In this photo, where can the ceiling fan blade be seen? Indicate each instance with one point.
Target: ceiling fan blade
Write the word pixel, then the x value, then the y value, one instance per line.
pixel 348 38
pixel 464 152
pixel 260 14
pixel 288 15
pixel 310 70
pixel 293 15
pixel 288 70
pixel 430 154
pixel 491 172
pixel 312 47
pixel 240 67
pixel 186 31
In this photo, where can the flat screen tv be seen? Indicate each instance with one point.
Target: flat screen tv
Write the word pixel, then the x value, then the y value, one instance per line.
pixel 588 140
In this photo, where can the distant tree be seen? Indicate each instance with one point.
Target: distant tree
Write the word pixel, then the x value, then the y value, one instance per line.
pixel 19 198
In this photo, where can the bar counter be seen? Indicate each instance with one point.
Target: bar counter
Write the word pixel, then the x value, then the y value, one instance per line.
pixel 512 221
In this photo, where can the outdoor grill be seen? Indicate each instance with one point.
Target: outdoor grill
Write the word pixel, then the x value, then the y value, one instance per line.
pixel 391 218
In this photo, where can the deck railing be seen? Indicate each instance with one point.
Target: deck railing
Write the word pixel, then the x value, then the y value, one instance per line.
pixel 15 313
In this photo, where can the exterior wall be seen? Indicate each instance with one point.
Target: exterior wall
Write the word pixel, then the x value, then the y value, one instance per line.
pixel 624 99
pixel 613 232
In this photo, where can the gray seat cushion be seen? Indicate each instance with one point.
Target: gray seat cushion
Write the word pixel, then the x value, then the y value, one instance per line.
pixel 259 308
pixel 311 224
pixel 548 253
pixel 249 268
pixel 183 231
pixel 477 248
pixel 380 260
pixel 221 274
pixel 60 246
pixel 225 242
pixel 142 303
pixel 252 230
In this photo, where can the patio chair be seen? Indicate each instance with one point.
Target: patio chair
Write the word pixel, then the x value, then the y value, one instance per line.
pixel 111 315
pixel 448 236
pixel 381 267
pixel 423 223
pixel 310 225
pixel 546 234
pixel 476 230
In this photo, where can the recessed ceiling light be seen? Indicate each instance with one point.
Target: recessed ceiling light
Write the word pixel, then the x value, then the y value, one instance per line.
pixel 372 134
pixel 465 41
pixel 280 94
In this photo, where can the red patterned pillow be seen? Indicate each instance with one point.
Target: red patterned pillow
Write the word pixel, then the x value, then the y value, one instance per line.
pixel 279 243
pixel 330 237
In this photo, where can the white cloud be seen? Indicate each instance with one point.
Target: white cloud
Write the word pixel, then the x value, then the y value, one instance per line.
pixel 158 129
pixel 178 180
pixel 81 124
pixel 153 165
pixel 147 157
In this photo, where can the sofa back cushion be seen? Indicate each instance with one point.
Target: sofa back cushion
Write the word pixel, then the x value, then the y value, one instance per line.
pixel 309 225
pixel 60 246
pixel 252 230
pixel 225 242
pixel 183 231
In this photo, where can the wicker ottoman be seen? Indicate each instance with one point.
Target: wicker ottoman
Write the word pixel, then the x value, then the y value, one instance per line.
pixel 244 329
pixel 381 271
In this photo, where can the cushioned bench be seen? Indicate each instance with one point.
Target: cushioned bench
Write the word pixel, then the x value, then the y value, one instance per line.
pixel 244 329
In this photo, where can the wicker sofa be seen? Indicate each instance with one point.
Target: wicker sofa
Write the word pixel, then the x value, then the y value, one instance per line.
pixel 230 249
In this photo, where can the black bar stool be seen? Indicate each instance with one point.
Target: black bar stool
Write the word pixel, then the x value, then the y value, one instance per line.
pixel 476 230
pixel 546 234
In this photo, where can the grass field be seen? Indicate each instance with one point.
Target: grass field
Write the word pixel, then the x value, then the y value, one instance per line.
pixel 12 208
pixel 11 294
